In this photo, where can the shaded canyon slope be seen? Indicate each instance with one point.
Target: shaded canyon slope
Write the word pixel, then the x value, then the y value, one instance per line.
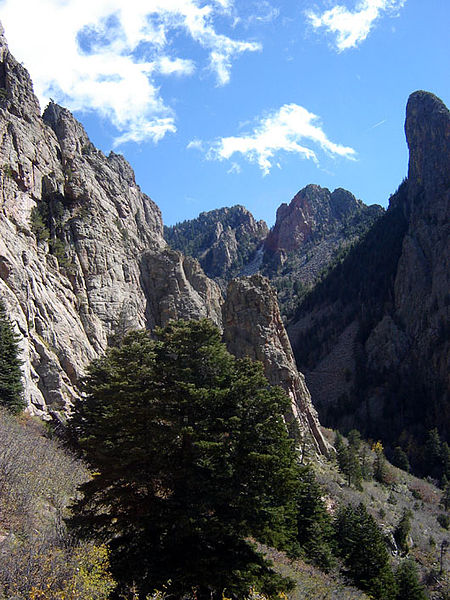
pixel 82 254
pixel 373 336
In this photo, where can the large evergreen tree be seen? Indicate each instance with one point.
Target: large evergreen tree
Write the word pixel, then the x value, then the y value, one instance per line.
pixel 314 526
pixel 11 388
pixel 191 457
pixel 408 582
pixel 364 552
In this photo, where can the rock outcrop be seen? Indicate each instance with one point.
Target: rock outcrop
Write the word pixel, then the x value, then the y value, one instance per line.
pixel 81 247
pixel 385 309
pixel 253 327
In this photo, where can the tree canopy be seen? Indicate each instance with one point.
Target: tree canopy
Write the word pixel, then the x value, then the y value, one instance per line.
pixel 11 387
pixel 191 459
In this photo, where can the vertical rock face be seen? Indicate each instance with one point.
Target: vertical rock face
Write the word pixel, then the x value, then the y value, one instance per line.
pixel 78 245
pixel 385 310
pixel 253 328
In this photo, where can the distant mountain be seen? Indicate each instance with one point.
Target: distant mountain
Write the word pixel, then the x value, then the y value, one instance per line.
pixel 307 234
pixel 373 335
pixel 224 240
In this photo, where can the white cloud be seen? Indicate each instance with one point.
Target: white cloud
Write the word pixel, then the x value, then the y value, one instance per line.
pixel 106 55
pixel 351 27
pixel 285 130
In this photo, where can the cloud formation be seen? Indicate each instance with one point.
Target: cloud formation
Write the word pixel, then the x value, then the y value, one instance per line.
pixel 351 27
pixel 285 130
pixel 106 55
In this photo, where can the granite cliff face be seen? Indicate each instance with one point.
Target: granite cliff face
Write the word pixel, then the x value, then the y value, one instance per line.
pixel 83 258
pixel 81 247
pixel 373 337
pixel 253 327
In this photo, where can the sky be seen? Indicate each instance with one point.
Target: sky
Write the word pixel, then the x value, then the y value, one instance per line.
pixel 223 102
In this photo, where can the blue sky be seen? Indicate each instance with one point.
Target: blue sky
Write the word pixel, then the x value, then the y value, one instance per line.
pixel 222 102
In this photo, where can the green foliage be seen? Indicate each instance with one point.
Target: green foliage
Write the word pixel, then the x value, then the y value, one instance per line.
pixel 380 468
pixel 191 457
pixel 445 500
pixel 433 453
pixel 39 222
pixel 408 582
pixel 348 458
pixel 402 531
pixel 443 520
pixel 362 548
pixel 400 459
pixel 314 527
pixel 11 387
pixel 46 222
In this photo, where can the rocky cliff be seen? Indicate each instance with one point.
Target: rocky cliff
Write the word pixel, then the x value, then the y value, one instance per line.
pixel 373 337
pixel 253 328
pixel 82 254
pixel 83 258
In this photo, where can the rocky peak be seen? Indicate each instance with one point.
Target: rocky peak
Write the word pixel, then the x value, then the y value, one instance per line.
pixel 253 327
pixel 343 204
pixel 427 129
pixel 71 134
pixel 372 337
pixel 311 213
pixel 16 88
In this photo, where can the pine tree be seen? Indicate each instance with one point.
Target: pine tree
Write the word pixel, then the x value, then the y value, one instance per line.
pixel 445 458
pixel 191 458
pixel 347 457
pixel 315 530
pixel 380 469
pixel 362 548
pixel 445 499
pixel 11 387
pixel 400 459
pixel 433 462
pixel 403 530
pixel 409 586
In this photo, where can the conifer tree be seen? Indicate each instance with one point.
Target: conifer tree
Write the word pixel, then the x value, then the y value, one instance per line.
pixel 11 387
pixel 362 548
pixel 400 459
pixel 433 457
pixel 347 457
pixel 315 530
pixel 403 530
pixel 192 458
pixel 409 586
